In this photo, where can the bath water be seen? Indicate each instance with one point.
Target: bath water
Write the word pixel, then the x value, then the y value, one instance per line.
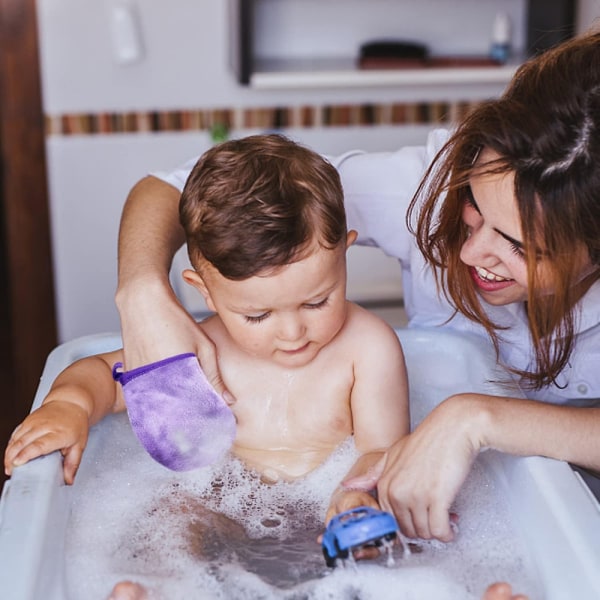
pixel 221 533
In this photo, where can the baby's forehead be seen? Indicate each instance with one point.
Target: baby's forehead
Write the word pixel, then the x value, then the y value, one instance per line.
pixel 323 258
pixel 311 249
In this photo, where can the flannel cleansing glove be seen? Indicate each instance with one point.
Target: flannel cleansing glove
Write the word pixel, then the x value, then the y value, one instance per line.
pixel 176 414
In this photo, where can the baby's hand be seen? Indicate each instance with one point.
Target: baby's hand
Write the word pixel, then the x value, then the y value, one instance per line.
pixel 345 499
pixel 56 425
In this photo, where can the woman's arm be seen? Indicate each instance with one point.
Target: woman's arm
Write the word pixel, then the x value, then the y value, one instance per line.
pixel 424 471
pixel 150 233
pixel 154 324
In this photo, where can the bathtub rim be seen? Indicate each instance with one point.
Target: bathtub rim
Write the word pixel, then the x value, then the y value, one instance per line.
pixel 554 501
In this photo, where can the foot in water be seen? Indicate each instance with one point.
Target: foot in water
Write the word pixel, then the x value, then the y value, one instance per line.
pixel 128 590
pixel 501 591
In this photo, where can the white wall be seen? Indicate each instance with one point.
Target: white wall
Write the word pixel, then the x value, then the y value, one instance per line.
pixel 186 60
pixel 185 64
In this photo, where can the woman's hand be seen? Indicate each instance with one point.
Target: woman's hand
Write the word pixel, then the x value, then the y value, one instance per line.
pixel 420 475
pixel 56 425
pixel 155 326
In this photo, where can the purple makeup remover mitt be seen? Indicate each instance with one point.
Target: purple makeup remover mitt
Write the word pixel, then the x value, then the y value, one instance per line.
pixel 176 414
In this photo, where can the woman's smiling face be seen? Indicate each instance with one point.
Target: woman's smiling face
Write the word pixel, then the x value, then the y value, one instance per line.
pixel 494 250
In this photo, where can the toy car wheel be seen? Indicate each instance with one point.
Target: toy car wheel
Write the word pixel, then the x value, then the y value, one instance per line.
pixel 329 560
pixel 341 553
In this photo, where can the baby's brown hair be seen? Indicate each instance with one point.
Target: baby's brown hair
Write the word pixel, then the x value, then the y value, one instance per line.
pixel 257 203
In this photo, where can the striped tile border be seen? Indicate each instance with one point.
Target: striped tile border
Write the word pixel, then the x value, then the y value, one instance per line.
pixel 341 115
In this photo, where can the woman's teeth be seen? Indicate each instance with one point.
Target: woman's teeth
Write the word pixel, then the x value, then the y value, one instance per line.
pixel 485 274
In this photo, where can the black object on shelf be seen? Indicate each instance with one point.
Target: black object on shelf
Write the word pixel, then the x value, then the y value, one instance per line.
pixel 381 54
pixel 393 49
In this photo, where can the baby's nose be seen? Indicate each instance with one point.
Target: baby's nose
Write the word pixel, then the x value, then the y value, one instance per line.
pixel 291 328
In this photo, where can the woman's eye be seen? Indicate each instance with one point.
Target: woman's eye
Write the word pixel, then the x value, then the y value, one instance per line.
pixel 468 198
pixel 320 304
pixel 257 319
pixel 517 250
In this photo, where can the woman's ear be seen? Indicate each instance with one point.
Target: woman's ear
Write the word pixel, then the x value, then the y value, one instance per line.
pixel 351 238
pixel 195 280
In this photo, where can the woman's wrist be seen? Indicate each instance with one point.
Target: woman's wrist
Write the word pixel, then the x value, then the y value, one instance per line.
pixel 471 414
pixel 142 289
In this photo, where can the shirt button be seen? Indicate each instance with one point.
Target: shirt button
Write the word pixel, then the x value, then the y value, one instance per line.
pixel 582 389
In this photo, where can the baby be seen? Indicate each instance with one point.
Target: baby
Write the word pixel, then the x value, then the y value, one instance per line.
pixel 267 238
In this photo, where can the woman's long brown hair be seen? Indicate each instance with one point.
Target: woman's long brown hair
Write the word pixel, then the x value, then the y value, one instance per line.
pixel 546 130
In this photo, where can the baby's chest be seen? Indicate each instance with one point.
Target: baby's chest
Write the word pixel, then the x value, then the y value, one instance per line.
pixel 295 407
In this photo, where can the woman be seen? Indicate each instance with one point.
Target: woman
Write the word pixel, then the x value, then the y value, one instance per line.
pixel 506 214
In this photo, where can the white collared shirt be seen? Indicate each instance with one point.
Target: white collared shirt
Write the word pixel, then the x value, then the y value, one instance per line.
pixel 378 188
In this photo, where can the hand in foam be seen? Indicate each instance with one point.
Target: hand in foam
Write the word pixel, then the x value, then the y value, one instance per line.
pixel 368 482
pixel 176 414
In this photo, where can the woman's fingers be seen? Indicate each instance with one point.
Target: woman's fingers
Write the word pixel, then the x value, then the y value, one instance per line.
pixel 440 526
pixel 369 480
pixel 406 523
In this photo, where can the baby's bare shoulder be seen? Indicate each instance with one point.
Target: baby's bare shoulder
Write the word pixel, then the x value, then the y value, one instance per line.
pixel 364 324
pixel 365 333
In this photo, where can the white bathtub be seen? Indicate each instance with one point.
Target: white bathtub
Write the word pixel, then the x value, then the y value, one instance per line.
pixel 557 515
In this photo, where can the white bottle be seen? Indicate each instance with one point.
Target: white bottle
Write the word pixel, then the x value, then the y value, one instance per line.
pixel 501 34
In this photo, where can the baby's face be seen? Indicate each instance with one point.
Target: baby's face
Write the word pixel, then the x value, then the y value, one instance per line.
pixel 287 315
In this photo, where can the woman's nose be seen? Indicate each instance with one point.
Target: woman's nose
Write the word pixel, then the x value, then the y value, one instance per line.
pixel 477 249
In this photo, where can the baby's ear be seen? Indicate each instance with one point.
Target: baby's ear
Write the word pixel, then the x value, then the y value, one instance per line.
pixel 351 238
pixel 195 280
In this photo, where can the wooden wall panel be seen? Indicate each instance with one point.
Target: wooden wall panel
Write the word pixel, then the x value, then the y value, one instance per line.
pixel 28 328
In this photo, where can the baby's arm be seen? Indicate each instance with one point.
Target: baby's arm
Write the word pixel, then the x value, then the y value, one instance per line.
pixel 80 397
pixel 379 401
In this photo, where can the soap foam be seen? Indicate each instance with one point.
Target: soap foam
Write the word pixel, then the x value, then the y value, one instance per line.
pixel 220 532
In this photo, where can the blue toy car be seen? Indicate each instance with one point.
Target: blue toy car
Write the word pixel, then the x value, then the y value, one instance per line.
pixel 354 528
